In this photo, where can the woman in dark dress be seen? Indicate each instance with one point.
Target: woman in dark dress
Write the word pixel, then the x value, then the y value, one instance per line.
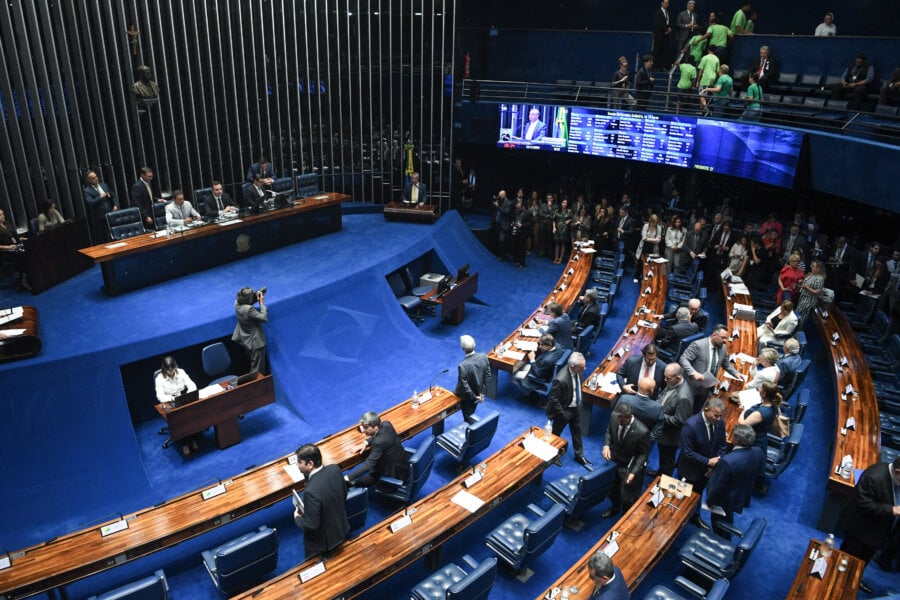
pixel 10 254
pixel 562 219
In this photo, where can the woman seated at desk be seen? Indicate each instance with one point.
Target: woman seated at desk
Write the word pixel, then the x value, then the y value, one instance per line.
pixel 768 372
pixel 10 254
pixel 171 382
pixel 49 216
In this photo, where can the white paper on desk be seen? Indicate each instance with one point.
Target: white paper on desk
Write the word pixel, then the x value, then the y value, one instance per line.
pixel 229 222
pixel 739 288
pixel 116 245
pixel 538 447
pixel 730 376
pixel 819 567
pixel 648 324
pixel 526 345
pixel 468 501
pixel 210 390
pixel 294 473
pixel 588 250
pixel 514 355
pixel 528 332
pixel 744 307
pixel 749 398
pixel 659 260
pixel 744 357
pixel 13 332
pixel 611 548
pixel 609 384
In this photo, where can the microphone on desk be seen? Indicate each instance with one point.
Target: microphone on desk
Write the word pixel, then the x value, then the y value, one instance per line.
pixel 431 387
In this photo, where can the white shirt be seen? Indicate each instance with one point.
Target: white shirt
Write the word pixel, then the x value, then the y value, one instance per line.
pixel 823 30
pixel 169 388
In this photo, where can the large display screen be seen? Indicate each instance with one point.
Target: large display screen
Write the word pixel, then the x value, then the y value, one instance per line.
pixel 765 154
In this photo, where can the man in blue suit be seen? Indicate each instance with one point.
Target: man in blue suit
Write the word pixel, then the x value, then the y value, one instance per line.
pixel 731 484
pixel 791 360
pixel 263 170
pixel 608 580
pixel 636 368
pixel 560 326
pixel 702 447
pixel 99 199
pixel 534 129
pixel 415 192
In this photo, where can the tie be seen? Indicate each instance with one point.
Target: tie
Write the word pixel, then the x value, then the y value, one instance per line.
pixel 219 203
pixel 665 396
pixel 646 370
pixel 576 391
pixel 709 432
pixel 415 193
pixel 622 429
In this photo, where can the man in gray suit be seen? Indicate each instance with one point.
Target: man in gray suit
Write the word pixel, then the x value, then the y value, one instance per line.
pixel 473 376
pixel 705 357
pixel 248 331
pixel 677 407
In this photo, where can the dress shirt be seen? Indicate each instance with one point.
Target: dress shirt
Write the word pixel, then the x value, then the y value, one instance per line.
pixel 169 388
pixel 576 390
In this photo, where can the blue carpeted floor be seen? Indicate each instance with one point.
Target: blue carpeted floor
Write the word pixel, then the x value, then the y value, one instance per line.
pixel 338 346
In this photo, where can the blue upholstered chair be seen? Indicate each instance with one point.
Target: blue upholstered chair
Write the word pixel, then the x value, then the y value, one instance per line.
pixel 412 305
pixel 357 507
pixel 216 361
pixel 583 339
pixel 521 539
pixel 453 582
pixel 466 440
pixel 716 592
pixel 242 562
pixel 151 587
pixel 159 215
pixel 788 384
pixel 668 356
pixel 125 223
pixel 307 185
pixel 421 460
pixel 780 456
pixel 711 557
pixel 577 492
pixel 540 386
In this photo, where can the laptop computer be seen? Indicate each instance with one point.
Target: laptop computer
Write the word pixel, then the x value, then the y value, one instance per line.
pixel 246 377
pixel 186 398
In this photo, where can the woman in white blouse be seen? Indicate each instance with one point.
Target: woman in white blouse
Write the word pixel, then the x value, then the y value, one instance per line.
pixel 767 371
pixel 675 236
pixel 781 323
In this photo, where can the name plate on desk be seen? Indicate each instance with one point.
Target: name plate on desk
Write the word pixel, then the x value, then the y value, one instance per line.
pixel 213 491
pixel 5 562
pixel 473 479
pixel 314 571
pixel 113 527
pixel 400 523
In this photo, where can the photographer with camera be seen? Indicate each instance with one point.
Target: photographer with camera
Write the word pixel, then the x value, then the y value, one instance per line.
pixel 249 332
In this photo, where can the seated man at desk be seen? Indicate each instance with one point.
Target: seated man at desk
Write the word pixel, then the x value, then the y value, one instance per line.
pixel 262 171
pixel 386 454
pixel 180 212
pixel 696 314
pixel 608 580
pixel 322 515
pixel 560 326
pixel 218 202
pixel 171 382
pixel 415 192
pixel 539 363
pixel 635 368
pixel 255 195
pixel 590 312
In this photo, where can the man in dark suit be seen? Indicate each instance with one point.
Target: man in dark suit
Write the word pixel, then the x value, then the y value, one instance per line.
pixel 218 201
pixel 765 67
pixel 564 407
pixel 386 454
pixel 695 242
pixel 627 443
pixel 731 483
pixel 415 192
pixel 668 338
pixel 696 314
pixel 539 364
pixel 794 243
pixel 503 211
pixel 323 517
pixel 609 583
pixel 625 230
pixel 560 326
pixel 662 28
pixel 473 376
pixel 590 312
pixel 791 360
pixel 677 407
pixel 704 357
pixel 702 447
pixel 635 368
pixel 254 195
pixel 873 515
pixel 143 196
pixel 647 410
pixel 534 129
pixel 720 244
pixel 99 199
pixel 263 170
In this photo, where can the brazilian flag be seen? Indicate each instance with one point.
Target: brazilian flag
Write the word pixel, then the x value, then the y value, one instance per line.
pixel 562 123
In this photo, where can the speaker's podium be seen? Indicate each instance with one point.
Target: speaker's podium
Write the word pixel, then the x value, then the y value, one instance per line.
pixel 452 299
pixel 408 211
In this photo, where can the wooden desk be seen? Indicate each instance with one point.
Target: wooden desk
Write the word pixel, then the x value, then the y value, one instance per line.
pixel 147 259
pixel 453 301
pixel 376 554
pixel 631 343
pixel 864 443
pixel 746 342
pixel 21 346
pixel 836 585
pixel 220 411
pixel 645 535
pixel 82 553
pixel 53 256
pixel 400 211
pixel 566 291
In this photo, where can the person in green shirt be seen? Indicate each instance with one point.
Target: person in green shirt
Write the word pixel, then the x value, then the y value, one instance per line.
pixel 696 47
pixel 721 92
pixel 739 20
pixel 753 110
pixel 686 82
pixel 708 70
pixel 718 36
pixel 750 26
